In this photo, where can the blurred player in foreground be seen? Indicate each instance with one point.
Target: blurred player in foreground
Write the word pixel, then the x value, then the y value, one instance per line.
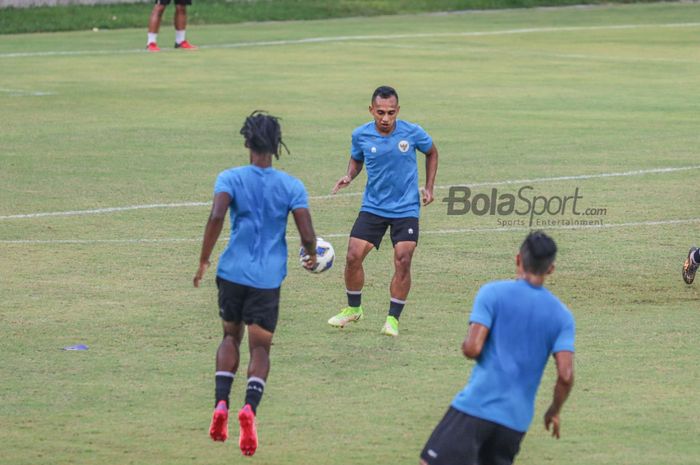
pixel 253 266
pixel 514 327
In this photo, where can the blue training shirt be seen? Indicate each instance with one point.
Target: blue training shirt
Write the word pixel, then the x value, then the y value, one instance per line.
pixel 526 325
pixel 261 199
pixel 392 172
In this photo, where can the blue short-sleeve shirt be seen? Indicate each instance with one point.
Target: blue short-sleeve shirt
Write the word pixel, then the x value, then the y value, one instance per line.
pixel 261 199
pixel 392 172
pixel 527 324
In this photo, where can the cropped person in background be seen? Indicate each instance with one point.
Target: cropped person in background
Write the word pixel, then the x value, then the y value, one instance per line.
pixel 179 21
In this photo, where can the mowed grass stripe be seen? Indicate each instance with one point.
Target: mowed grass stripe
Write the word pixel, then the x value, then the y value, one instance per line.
pixel 504 229
pixel 122 129
pixel 370 38
pixel 353 194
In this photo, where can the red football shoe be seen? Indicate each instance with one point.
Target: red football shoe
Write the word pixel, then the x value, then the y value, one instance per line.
pixel 248 440
pixel 219 422
pixel 152 47
pixel 186 46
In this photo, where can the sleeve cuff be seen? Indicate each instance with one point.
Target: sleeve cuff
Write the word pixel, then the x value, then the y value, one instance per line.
pixel 480 321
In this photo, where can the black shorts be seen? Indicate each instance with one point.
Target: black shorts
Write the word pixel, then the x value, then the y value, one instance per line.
pixel 461 439
pixel 248 304
pixel 371 228
pixel 177 2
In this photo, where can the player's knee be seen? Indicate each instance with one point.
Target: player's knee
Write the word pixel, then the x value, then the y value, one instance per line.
pixel 232 338
pixel 260 344
pixel 259 338
pixel 232 330
pixel 402 262
pixel 353 259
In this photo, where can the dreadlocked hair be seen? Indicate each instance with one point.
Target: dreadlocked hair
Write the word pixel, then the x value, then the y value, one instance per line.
pixel 263 134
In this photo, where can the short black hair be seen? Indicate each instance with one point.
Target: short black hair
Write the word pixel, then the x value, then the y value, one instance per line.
pixel 263 134
pixel 385 92
pixel 537 252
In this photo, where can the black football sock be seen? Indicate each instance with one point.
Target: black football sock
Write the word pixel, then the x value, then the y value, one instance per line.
pixel 696 256
pixel 254 392
pixel 396 307
pixel 354 298
pixel 224 379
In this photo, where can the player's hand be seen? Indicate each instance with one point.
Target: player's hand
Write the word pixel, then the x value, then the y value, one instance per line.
pixel 342 182
pixel 427 195
pixel 552 419
pixel 200 273
pixel 309 261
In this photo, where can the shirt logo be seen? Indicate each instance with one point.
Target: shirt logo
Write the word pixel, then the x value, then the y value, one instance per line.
pixel 373 150
pixel 403 146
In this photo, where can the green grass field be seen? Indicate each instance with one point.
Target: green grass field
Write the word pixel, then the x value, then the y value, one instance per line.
pixel 89 121
pixel 127 15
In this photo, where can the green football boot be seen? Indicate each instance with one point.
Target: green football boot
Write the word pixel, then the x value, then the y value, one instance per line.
pixel 348 315
pixel 690 267
pixel 391 327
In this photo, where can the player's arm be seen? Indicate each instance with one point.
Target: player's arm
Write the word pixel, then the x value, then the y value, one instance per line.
pixel 302 218
pixel 215 223
pixel 562 388
pixel 474 342
pixel 431 165
pixel 354 168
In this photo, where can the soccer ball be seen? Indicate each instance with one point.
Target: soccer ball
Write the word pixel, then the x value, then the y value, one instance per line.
pixel 324 256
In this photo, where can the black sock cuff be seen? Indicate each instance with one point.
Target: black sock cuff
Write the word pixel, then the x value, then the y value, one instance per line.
pixel 256 384
pixel 354 298
pixel 224 380
pixel 254 392
pixel 396 307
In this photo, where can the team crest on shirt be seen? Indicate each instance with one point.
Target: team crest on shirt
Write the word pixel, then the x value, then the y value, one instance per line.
pixel 373 150
pixel 403 146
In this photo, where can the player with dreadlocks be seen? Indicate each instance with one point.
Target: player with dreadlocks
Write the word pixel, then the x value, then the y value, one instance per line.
pixel 253 266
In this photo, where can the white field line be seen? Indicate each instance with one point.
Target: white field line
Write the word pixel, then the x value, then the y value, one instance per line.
pixel 25 93
pixel 352 194
pixel 616 59
pixel 579 177
pixel 98 241
pixel 105 210
pixel 329 39
pixel 569 56
pixel 572 227
pixel 341 235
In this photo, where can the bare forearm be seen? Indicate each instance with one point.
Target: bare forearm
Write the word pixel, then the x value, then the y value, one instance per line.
pixel 211 235
pixel 354 168
pixel 308 240
pixel 474 342
pixel 561 392
pixel 431 165
pixel 302 218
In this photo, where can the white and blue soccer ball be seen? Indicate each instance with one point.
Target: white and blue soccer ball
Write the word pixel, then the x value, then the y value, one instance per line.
pixel 324 256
